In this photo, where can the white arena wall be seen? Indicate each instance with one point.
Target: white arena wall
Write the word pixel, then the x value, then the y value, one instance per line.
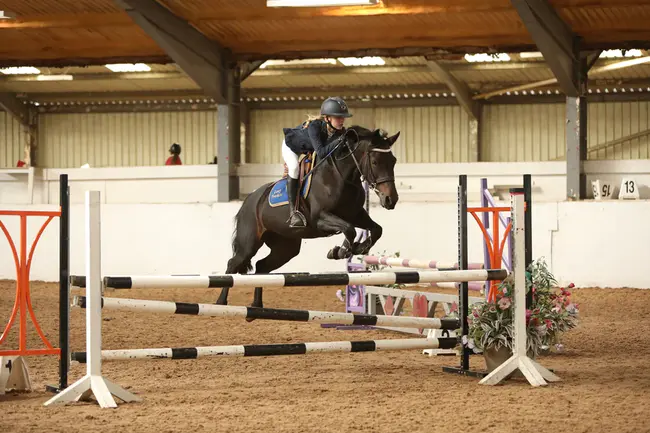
pixel 163 220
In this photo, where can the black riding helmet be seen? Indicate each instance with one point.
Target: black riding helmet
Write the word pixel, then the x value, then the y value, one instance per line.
pixel 334 107
pixel 175 149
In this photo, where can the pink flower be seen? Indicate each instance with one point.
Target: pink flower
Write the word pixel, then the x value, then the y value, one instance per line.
pixel 504 303
pixel 571 286
pixel 549 324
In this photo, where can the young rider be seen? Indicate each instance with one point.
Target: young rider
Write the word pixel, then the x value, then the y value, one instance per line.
pixel 318 134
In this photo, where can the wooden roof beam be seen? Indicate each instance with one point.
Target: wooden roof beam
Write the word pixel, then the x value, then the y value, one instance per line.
pixel 202 59
pixel 247 68
pixel 461 89
pixel 13 106
pixel 556 41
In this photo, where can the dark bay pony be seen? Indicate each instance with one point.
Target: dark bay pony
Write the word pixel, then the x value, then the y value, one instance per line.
pixel 335 204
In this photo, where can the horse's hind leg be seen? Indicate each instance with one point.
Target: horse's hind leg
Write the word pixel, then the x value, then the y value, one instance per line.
pixel 240 263
pixel 282 250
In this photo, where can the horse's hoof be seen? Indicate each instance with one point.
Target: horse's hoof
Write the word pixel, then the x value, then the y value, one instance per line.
pixel 344 253
pixel 333 254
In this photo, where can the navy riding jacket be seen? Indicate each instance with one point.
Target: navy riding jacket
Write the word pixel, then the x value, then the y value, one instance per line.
pixel 314 137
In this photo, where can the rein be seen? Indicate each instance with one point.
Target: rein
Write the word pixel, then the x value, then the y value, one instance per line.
pixel 371 180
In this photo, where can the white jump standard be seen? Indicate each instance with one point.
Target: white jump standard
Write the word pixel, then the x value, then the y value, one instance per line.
pixel 145 305
pixel 532 370
pixel 93 383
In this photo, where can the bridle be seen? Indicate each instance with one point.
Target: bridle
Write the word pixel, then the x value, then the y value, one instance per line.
pixel 371 180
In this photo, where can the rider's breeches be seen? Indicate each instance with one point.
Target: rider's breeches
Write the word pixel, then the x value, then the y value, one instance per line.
pixel 291 159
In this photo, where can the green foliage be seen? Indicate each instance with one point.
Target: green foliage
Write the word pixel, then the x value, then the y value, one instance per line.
pixel 553 313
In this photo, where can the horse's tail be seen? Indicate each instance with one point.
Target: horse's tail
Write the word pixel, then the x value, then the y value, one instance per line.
pixel 246 234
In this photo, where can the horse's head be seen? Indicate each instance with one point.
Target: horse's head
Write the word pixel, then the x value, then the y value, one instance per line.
pixel 377 163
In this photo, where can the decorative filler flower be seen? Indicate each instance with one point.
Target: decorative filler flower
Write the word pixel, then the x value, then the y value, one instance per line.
pixel 491 326
pixel 373 268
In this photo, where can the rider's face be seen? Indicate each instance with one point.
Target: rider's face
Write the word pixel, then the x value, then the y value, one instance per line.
pixel 337 121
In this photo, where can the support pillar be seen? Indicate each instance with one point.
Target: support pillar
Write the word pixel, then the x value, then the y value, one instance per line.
pixel 229 141
pixel 475 137
pixel 576 137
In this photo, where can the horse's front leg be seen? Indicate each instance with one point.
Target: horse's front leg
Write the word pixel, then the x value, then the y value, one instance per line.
pixel 363 221
pixel 332 224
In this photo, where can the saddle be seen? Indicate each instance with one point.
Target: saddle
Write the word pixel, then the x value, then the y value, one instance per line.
pixel 305 164
pixel 278 195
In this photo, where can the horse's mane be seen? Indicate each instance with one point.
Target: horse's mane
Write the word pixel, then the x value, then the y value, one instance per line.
pixel 366 134
pixel 362 132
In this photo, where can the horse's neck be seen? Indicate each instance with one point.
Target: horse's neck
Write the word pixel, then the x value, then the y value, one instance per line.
pixel 348 168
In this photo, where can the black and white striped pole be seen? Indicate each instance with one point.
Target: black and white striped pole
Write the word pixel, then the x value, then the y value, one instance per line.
pixel 212 310
pixel 272 349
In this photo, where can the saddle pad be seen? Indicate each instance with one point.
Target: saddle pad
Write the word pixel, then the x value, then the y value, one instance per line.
pixel 278 195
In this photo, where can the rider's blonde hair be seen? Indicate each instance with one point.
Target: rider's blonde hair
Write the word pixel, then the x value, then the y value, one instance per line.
pixel 312 117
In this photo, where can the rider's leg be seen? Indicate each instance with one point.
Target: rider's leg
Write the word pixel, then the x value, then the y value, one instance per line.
pixel 296 219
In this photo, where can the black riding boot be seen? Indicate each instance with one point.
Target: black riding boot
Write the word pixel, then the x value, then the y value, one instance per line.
pixel 296 218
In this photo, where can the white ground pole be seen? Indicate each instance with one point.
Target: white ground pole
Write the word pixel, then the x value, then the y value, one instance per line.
pixel 533 371
pixel 93 383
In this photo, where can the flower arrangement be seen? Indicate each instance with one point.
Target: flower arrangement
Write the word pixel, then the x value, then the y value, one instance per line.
pixel 552 313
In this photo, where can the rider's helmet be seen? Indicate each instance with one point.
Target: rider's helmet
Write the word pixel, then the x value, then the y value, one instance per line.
pixel 334 106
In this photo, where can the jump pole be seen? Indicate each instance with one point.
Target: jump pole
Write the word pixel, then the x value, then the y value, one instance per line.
pixel 418 264
pixel 272 349
pixel 299 280
pixel 212 310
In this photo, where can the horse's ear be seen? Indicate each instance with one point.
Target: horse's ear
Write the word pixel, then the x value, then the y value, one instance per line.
pixel 393 139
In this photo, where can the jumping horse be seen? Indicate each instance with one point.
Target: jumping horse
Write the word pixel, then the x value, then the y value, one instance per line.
pixel 334 204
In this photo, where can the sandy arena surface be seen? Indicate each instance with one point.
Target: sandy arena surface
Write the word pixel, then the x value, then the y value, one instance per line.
pixel 605 373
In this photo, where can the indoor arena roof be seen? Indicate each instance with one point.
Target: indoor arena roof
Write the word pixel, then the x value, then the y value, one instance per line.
pixel 83 32
pixel 322 77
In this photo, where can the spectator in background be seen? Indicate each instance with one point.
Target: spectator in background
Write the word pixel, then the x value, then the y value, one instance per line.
pixel 174 159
